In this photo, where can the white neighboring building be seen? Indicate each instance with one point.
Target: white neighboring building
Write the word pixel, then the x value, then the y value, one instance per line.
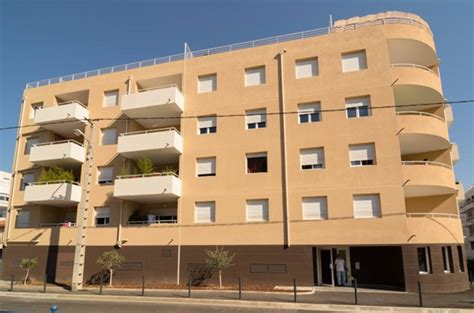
pixel 5 180
pixel 467 216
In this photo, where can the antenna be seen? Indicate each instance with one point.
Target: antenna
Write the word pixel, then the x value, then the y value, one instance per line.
pixel 330 20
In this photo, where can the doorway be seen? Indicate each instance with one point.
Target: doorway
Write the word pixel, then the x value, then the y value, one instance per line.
pixel 325 264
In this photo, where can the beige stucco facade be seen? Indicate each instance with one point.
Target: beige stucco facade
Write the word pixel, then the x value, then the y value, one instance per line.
pixel 412 174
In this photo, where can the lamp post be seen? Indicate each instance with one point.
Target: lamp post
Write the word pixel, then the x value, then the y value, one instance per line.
pixel 83 216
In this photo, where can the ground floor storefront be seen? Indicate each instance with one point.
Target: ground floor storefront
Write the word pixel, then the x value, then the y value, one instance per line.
pixel 439 268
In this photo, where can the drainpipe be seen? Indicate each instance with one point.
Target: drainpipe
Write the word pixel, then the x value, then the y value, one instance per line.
pixel 129 84
pixel 284 180
pixel 13 186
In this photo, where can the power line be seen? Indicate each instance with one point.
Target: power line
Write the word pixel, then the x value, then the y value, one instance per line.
pixel 233 115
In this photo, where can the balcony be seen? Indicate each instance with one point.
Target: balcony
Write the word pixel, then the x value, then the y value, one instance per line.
pixel 63 153
pixel 63 118
pixel 164 101
pixel 146 188
pixel 160 145
pixel 425 178
pixel 421 132
pixel 454 153
pixel 55 193
pixel 460 192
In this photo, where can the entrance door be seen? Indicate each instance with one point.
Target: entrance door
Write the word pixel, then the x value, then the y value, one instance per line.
pixel 326 267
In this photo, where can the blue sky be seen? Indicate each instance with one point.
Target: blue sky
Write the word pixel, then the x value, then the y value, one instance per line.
pixel 43 39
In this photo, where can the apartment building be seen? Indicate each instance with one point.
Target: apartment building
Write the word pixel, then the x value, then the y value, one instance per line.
pixel 5 179
pixel 286 151
pixel 467 217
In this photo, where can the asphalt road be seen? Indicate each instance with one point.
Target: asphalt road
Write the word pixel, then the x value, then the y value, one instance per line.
pixel 11 305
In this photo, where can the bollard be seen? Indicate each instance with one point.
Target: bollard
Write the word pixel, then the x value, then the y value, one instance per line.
pixel 355 291
pixel 189 286
pixel 240 289
pixel 101 282
pixel 143 285
pixel 54 308
pixel 11 282
pixel 294 289
pixel 45 281
pixel 419 294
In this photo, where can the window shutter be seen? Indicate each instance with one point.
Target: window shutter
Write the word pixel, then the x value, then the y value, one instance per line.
pixel 309 107
pixel 206 166
pixel 257 210
pixel 312 156
pixel 255 76
pixel 207 83
pixel 109 136
pixel 106 174
pixel 366 206
pixel 315 208
pixel 102 212
pixel 354 61
pixel 307 68
pixel 362 152
pixel 205 212
pixel 111 98
pixel 207 121
pixel 357 102
pixel 256 116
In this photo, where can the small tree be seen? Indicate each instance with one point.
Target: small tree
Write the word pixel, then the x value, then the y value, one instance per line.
pixel 145 166
pixel 110 260
pixel 27 265
pixel 219 259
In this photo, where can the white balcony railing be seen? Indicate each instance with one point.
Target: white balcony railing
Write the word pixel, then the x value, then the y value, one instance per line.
pixel 421 114
pixel 173 221
pixel 421 67
pixel 432 215
pixel 426 163
pixel 63 152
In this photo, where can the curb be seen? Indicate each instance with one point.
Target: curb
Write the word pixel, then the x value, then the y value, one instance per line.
pixel 227 303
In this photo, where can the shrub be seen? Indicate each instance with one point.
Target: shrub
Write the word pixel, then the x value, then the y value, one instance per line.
pixel 55 173
pixel 145 166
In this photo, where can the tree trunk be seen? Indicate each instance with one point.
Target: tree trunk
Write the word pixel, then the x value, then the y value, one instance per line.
pixel 220 278
pixel 26 276
pixel 111 271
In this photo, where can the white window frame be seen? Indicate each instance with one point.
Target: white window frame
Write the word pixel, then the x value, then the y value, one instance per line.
pixel 359 104
pixel 319 151
pixel 106 217
pixel 427 260
pixel 447 266
pixel 99 173
pixel 265 210
pixel 312 111
pixel 35 107
pixel 211 205
pixel 347 58
pixel 301 70
pixel 359 162
pixel 203 80
pixel 323 208
pixel 360 197
pixel 255 76
pixel 108 94
pixel 255 119
pixel 207 125
pixel 213 167
pixel 106 138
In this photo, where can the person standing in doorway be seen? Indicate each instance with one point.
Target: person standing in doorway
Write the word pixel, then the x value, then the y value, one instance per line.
pixel 340 270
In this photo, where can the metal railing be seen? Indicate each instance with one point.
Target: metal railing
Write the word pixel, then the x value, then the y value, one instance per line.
pixel 147 175
pixel 65 224
pixel 173 221
pixel 229 48
pixel 159 87
pixel 421 114
pixel 69 102
pixel 148 131
pixel 54 182
pixel 434 215
pixel 51 143
pixel 414 66
pixel 426 163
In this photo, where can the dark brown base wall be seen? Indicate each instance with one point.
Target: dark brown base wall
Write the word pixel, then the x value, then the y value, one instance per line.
pixel 382 266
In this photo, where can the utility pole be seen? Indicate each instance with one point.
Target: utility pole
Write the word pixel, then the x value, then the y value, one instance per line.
pixel 83 216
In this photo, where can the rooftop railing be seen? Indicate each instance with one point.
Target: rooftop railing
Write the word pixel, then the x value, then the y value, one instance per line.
pixel 229 48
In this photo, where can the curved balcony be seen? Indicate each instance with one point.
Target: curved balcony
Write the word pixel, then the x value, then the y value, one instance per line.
pixel 425 178
pixel 434 227
pixel 421 132
pixel 411 74
pixel 412 51
pixel 62 153
pixel 55 193
pixel 63 118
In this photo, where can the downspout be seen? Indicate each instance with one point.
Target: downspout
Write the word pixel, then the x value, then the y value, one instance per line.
pixel 129 84
pixel 284 179
pixel 14 174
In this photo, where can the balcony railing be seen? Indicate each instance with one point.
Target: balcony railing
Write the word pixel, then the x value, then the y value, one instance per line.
pixel 426 163
pixel 433 215
pixel 154 222
pixel 228 48
pixel 54 182
pixel 65 224
pixel 414 66
pixel 51 143
pixel 149 131
pixel 147 175
pixel 421 114
pixel 160 87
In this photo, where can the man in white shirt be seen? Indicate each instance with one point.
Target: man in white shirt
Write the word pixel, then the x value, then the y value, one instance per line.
pixel 340 270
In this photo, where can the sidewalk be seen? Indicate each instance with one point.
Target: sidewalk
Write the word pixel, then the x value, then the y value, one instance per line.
pixel 321 296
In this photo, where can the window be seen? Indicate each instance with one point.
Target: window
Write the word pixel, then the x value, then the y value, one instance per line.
pixel 23 218
pixel 447 259
pixel 366 206
pixel 205 212
pixel 257 162
pixel 109 136
pixel 362 155
pixel 255 76
pixel 106 175
pixel 424 260
pixel 307 68
pixel 206 167
pixel 35 107
pixel 26 178
pixel 312 158
pixel 3 212
pixel 309 113
pixel 354 61
pixel 111 98
pixel 257 210
pixel 207 83
pixel 472 245
pixel 102 216
pixel 357 107
pixel 207 125
pixel 256 119
pixel 315 208
pixel 30 142
pixel 461 259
